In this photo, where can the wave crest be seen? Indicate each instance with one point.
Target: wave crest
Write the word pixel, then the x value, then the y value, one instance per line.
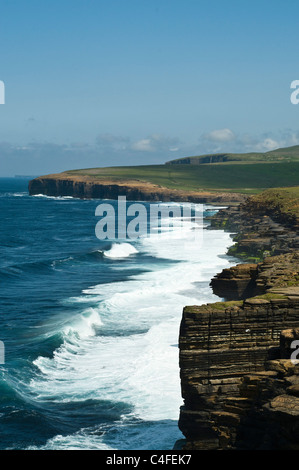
pixel 120 250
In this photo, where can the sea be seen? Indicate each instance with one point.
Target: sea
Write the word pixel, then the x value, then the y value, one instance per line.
pixel 90 327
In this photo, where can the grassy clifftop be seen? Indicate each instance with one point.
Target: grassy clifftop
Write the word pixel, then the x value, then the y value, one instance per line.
pixel 282 201
pixel 248 173
pixel 247 178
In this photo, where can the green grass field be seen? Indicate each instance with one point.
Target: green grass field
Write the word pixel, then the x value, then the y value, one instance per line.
pixel 246 178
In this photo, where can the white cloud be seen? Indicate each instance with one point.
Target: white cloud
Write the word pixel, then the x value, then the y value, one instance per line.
pixel 225 140
pixel 220 135
pixel 153 143
pixel 143 145
pixel 156 143
pixel 267 145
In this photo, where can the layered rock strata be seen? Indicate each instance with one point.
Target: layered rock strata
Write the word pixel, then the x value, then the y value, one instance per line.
pixel 239 384
pixel 221 346
pixel 236 283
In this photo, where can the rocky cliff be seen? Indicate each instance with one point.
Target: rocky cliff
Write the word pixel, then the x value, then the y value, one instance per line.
pixel 63 184
pixel 240 388
pixel 224 350
pixel 264 225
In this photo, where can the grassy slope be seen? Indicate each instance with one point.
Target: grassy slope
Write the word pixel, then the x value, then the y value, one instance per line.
pixel 288 154
pixel 245 178
pixel 284 201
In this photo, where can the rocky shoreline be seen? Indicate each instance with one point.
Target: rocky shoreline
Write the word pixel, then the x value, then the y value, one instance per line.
pixel 239 385
pixel 261 229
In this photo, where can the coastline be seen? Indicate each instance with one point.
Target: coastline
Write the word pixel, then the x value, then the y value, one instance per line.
pixel 233 354
pixel 86 187
pixel 238 383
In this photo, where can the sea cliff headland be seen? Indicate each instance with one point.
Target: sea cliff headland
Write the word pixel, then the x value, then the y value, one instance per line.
pixel 220 179
pixel 88 187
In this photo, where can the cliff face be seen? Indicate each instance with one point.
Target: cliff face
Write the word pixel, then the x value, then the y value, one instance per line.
pixel 221 349
pixel 88 187
pixel 213 158
pixel 240 388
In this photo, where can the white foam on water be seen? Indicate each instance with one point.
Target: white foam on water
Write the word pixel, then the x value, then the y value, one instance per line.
pixel 135 359
pixel 120 250
pixel 56 198
pixel 10 194
pixel 84 326
pixel 125 433
pixel 77 441
pixel 18 194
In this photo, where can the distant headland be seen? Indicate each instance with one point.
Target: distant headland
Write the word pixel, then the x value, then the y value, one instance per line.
pixel 213 178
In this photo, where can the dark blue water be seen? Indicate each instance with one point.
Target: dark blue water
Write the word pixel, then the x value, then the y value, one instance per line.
pixel 90 334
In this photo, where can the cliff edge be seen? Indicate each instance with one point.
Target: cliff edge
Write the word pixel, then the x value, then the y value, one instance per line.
pixel 88 187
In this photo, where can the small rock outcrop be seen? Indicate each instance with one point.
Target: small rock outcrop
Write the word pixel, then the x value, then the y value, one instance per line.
pixel 236 283
pixel 274 274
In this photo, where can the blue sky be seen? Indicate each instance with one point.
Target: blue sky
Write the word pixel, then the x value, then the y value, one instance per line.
pixel 118 82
